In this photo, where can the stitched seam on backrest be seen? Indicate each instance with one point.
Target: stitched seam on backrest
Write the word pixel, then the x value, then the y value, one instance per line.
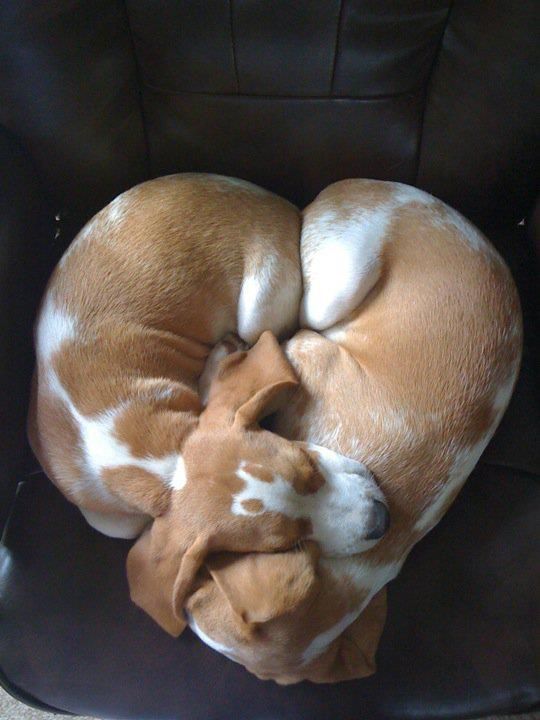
pixel 336 47
pixel 233 46
pixel 429 80
pixel 139 81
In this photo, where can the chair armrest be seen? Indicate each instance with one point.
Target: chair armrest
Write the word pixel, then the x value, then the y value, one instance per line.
pixel 26 230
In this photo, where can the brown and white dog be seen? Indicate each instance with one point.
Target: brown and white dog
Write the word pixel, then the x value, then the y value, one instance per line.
pixel 127 323
pixel 410 362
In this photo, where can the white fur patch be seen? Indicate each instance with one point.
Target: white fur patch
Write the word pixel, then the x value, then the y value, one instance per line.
pixel 340 511
pixel 269 298
pixel 341 256
pixel 207 640
pixel 275 496
pixel 337 333
pixel 504 392
pixel 99 448
pixel 179 478
pixel 116 525
pixel 465 460
pixel 366 576
pixel 102 450
pixel 345 265
pixel 117 209
pixel 406 194
pixel 55 327
pixel 341 251
pixel 322 641
pixel 226 183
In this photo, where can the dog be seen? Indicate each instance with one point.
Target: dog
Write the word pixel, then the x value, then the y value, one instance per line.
pixel 123 336
pixel 408 356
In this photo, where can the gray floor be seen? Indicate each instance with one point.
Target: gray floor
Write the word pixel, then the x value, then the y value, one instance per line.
pixel 10 709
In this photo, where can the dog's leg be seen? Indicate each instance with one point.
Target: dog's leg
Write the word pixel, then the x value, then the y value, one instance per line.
pixel 270 296
pixel 341 262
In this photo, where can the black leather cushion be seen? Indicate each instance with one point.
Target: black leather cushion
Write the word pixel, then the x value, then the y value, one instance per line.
pixel 462 636
pixel 517 440
pixel 293 95
pixel 287 145
pixel 483 109
pixel 68 83
pixel 26 231
pixel 296 49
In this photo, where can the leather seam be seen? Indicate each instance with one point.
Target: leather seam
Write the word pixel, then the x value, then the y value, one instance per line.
pixel 427 88
pixel 251 96
pixel 139 91
pixel 336 47
pixel 233 46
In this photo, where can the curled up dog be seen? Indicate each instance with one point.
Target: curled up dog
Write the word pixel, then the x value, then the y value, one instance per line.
pixel 260 482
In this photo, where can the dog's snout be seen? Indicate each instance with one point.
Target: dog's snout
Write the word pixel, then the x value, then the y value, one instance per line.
pixel 380 521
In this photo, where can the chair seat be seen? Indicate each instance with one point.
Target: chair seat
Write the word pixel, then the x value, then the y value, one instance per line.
pixel 461 636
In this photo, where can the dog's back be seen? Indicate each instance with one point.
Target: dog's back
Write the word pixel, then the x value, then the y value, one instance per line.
pixel 418 366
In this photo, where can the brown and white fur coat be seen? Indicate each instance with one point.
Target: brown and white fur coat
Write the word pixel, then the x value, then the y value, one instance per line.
pixel 272 545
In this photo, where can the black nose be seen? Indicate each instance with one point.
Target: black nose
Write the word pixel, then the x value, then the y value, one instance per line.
pixel 380 521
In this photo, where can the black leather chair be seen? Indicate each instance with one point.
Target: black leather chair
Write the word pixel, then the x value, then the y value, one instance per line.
pixel 98 95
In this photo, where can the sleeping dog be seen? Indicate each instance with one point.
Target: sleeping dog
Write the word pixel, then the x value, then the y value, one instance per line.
pixel 408 359
pixel 127 323
pixel 269 543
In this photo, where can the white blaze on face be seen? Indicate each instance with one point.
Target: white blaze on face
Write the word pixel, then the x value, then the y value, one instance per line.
pixel 341 511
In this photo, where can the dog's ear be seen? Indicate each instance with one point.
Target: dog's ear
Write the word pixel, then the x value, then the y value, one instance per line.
pixel 263 586
pixel 161 571
pixel 251 384
pixel 353 654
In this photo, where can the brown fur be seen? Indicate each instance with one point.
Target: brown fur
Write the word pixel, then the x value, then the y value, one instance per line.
pixel 409 382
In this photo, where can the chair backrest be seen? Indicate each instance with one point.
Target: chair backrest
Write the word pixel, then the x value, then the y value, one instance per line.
pixel 291 94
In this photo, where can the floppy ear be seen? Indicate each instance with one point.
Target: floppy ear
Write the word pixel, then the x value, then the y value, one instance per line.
pixel 251 384
pixel 263 586
pixel 356 647
pixel 160 574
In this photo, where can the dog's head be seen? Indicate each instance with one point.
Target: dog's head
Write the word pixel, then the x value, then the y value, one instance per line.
pixel 287 616
pixel 248 506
